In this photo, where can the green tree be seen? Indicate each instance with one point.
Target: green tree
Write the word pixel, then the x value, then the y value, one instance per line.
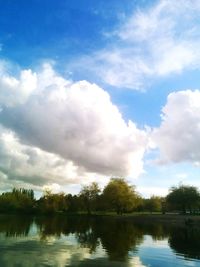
pixel 74 203
pixel 90 194
pixel 51 203
pixel 183 198
pixel 119 196
pixel 154 203
pixel 19 200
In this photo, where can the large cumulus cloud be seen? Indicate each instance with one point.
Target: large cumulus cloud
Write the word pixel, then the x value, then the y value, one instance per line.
pixel 178 136
pixel 24 165
pixel 74 123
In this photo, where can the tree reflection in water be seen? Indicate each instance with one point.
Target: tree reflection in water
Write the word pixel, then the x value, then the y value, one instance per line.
pixel 59 225
pixel 15 226
pixel 186 241
pixel 117 236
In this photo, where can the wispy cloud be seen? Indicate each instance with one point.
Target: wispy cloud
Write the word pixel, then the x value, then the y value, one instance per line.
pixel 153 43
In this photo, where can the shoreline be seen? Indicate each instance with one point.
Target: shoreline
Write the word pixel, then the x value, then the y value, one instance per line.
pixel 169 218
pixel 172 219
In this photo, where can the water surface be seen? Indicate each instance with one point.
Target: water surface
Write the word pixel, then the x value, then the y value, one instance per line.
pixel 82 241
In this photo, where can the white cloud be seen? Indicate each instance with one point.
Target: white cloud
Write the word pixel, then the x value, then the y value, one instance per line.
pixel 182 176
pixel 28 166
pixel 178 136
pixel 135 261
pixel 24 165
pixel 64 131
pixel 148 191
pixel 54 188
pixel 16 91
pixel 52 253
pixel 155 42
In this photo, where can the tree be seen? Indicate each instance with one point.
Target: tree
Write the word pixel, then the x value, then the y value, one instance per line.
pixel 51 203
pixel 154 204
pixel 19 200
pixel 74 203
pixel 89 194
pixel 183 198
pixel 120 196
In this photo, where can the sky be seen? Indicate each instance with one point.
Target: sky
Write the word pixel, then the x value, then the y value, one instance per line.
pixel 91 90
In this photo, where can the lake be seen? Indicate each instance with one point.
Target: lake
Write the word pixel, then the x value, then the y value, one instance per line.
pixel 81 241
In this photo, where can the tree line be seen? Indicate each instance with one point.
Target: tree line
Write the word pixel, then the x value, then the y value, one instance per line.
pixel 117 196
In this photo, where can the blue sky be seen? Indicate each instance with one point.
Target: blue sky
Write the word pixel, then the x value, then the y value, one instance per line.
pixel 95 89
